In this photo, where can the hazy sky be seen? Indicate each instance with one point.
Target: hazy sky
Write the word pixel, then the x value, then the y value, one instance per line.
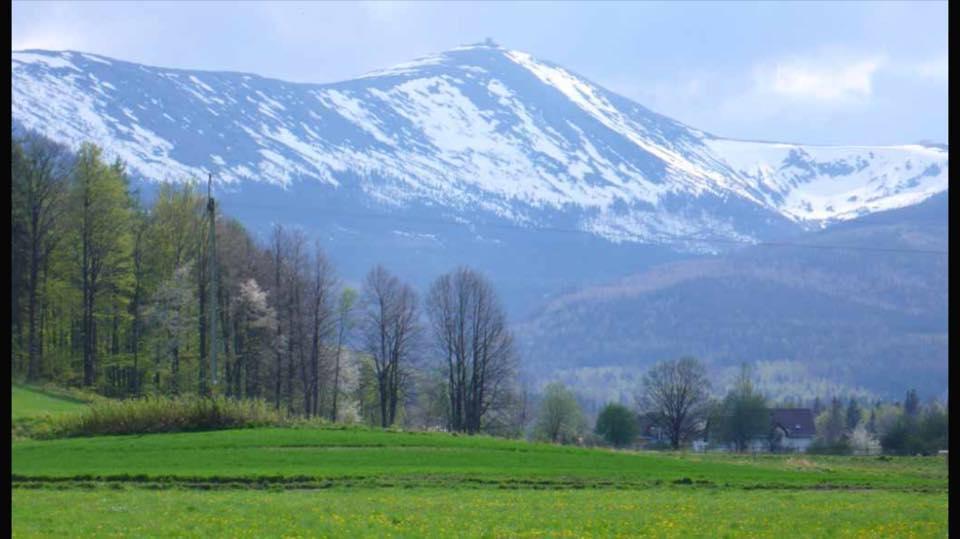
pixel 855 73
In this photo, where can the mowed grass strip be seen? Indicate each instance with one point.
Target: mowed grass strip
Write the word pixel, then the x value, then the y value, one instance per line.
pixel 26 402
pixel 659 512
pixel 304 455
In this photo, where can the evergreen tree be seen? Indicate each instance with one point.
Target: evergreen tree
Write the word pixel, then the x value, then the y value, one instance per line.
pixel 817 407
pixel 911 404
pixel 617 425
pixel 853 414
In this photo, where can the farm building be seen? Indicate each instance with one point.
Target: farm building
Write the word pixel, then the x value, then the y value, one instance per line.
pixel 791 431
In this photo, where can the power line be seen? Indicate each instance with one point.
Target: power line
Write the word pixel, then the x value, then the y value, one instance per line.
pixel 672 239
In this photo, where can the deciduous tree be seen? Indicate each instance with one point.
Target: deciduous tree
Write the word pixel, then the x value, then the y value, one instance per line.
pixel 676 395
pixel 471 335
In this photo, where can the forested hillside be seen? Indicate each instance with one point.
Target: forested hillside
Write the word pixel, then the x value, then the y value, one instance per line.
pixel 859 307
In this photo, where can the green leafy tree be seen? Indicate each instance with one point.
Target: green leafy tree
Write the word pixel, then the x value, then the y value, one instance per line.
pixel 743 414
pixel 925 433
pixel 559 418
pixel 932 429
pixel 832 435
pixel 40 180
pixel 100 215
pixel 345 324
pixel 17 250
pixel 617 424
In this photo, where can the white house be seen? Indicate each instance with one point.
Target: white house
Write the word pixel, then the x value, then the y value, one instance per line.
pixel 791 431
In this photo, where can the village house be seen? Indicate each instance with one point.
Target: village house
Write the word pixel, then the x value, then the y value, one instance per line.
pixel 791 431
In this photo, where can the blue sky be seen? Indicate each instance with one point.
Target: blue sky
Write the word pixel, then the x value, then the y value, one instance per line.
pixel 822 73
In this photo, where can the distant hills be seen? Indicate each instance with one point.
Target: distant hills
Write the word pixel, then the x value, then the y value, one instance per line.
pixel 873 315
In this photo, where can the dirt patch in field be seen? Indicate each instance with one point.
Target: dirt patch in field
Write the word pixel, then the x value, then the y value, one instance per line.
pixel 800 463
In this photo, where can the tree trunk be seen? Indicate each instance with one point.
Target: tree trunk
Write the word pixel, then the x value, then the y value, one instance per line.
pixel 34 359
pixel 336 378
pixel 202 321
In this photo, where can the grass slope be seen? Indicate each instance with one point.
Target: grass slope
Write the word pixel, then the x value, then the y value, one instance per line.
pixel 27 402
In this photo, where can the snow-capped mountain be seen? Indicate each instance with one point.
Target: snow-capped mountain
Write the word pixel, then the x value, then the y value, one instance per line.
pixel 477 132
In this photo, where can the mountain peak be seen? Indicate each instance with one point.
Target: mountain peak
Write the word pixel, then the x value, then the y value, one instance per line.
pixel 487 43
pixel 478 126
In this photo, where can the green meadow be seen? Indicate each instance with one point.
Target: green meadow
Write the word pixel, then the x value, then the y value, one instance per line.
pixel 27 402
pixel 332 481
pixel 477 512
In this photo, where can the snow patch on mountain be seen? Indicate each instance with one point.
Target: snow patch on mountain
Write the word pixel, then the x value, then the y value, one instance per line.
pixel 810 183
pixel 477 128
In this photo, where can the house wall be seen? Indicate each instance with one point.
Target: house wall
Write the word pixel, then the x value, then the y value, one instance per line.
pixel 797 444
pixel 757 445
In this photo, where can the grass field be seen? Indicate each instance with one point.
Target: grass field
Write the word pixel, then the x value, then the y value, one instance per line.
pixel 454 512
pixel 366 456
pixel 26 402
pixel 359 482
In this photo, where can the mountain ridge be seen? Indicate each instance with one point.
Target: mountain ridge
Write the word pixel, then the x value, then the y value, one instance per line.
pixel 476 126
pixel 471 157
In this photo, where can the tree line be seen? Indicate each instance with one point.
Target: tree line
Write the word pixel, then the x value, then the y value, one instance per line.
pixel 116 295
pixel 675 406
pixel 112 294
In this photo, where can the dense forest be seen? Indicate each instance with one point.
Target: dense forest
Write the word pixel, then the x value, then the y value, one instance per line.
pixel 130 300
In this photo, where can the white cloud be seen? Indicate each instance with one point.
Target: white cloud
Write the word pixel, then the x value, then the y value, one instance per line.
pixel 820 79
pixel 936 68
pixel 50 38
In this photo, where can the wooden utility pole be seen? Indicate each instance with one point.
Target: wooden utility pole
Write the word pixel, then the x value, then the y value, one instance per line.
pixel 213 280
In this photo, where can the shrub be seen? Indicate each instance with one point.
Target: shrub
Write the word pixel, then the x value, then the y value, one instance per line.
pixel 159 414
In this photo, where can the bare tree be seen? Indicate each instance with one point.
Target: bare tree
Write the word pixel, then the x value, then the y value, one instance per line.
pixel 278 252
pixel 676 395
pixel 471 333
pixel 291 284
pixel 390 331
pixel 322 325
